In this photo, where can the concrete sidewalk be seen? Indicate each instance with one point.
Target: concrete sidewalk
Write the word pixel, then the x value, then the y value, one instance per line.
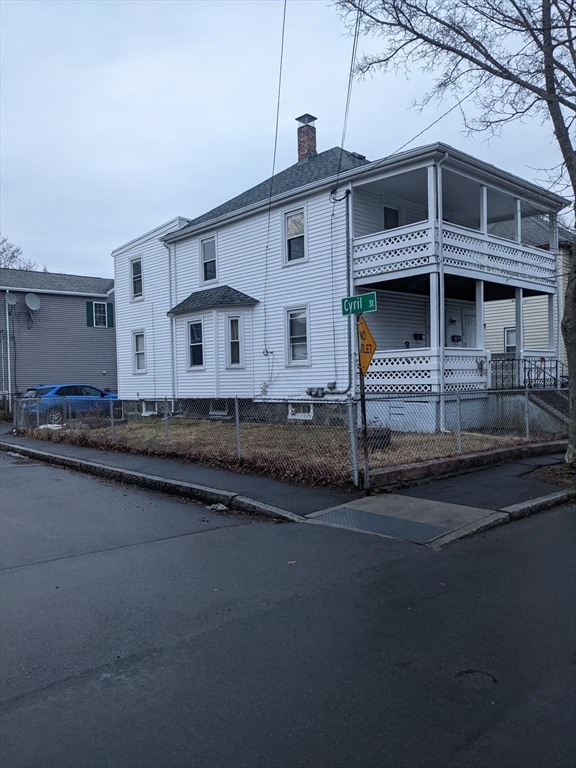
pixel 431 513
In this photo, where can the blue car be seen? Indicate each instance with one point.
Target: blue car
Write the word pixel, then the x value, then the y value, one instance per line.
pixel 54 403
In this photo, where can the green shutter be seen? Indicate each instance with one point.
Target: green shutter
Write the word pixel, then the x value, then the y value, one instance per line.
pixel 110 315
pixel 90 314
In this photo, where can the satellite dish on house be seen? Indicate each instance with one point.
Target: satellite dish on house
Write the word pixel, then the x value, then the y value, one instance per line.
pixel 11 300
pixel 32 301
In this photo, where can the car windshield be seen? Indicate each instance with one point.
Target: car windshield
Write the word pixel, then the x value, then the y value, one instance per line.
pixel 40 392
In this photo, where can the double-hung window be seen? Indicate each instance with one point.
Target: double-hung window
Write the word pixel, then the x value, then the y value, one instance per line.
pixel 297 336
pixel 208 248
pixel 139 351
pixel 136 277
pixel 100 314
pixel 195 344
pixel 235 357
pixel 295 236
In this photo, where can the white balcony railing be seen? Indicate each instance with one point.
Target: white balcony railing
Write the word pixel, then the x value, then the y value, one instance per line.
pixel 417 245
pixel 419 371
pixel 476 251
pixel 393 251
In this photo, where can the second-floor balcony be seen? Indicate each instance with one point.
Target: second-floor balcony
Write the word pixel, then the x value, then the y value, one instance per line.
pixel 418 246
pixel 483 232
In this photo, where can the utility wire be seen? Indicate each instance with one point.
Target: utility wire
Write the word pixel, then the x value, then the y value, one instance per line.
pixel 265 351
pixel 348 97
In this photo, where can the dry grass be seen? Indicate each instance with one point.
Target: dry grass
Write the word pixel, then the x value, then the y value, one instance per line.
pixel 301 453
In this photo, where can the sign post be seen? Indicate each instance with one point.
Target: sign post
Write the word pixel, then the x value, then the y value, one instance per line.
pixel 366 349
pixel 357 305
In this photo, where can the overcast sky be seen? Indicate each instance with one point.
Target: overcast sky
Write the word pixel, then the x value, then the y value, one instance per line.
pixel 118 115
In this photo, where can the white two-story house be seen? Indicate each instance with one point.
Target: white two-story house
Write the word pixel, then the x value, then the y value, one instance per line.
pixel 246 300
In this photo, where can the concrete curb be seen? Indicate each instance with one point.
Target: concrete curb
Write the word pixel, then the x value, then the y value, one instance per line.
pixel 426 471
pixel 525 508
pixel 201 493
pixel 492 520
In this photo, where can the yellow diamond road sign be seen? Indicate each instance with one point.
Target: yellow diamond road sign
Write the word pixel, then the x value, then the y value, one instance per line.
pixel 367 345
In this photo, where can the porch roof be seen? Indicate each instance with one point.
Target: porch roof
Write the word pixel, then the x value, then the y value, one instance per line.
pixel 222 296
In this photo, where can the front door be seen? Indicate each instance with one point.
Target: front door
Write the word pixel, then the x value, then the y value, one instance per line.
pixel 469 330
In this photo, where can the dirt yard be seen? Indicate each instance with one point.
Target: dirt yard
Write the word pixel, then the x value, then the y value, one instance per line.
pixel 303 453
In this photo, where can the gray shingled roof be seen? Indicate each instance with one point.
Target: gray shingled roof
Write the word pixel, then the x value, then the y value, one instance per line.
pixel 313 169
pixel 223 296
pixel 28 280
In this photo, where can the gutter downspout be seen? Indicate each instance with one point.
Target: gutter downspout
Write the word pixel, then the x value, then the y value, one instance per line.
pixel 348 195
pixel 170 301
pixel 441 292
pixel 8 354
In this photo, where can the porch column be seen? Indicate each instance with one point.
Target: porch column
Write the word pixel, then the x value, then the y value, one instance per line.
pixel 431 195
pixel 552 323
pixel 484 209
pixel 434 312
pixel 480 313
pixel 518 219
pixel 519 336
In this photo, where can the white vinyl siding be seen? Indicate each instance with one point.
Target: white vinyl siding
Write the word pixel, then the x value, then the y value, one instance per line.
pixel 148 314
pixel 502 314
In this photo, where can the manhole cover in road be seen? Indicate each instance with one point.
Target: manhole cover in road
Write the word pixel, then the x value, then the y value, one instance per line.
pixel 472 678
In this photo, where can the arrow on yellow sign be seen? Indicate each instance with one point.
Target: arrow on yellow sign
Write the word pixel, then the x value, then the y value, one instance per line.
pixel 366 345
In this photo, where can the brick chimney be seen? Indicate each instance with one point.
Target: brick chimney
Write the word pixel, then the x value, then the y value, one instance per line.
pixel 306 137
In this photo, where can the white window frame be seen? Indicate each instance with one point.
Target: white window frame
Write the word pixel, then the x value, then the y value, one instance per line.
pixel 288 348
pixel 240 318
pixel 104 304
pixel 136 296
pixel 286 261
pixel 506 345
pixel 295 412
pixel 189 324
pixel 214 240
pixel 135 352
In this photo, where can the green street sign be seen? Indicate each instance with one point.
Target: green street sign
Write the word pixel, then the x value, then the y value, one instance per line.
pixel 357 305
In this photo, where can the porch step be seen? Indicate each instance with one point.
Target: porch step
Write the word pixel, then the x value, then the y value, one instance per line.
pixel 552 401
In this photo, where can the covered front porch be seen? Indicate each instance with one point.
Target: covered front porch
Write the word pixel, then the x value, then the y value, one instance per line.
pixel 430 332
pixel 439 236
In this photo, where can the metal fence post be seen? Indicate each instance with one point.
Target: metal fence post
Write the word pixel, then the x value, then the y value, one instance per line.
pixel 112 430
pixel 527 413
pixel 353 434
pixel 459 424
pixel 237 416
pixel 166 423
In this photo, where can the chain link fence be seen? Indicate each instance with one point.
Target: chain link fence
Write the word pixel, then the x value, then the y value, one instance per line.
pixel 315 443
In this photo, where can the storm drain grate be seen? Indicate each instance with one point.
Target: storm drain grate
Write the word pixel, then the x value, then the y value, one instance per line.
pixel 395 527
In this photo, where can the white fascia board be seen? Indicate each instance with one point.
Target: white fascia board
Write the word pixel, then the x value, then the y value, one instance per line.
pixel 176 223
pixel 55 293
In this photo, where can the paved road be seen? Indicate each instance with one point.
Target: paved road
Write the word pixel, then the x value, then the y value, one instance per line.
pixel 141 630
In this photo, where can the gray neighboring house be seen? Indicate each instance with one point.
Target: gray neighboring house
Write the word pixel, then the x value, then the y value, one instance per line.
pixel 61 328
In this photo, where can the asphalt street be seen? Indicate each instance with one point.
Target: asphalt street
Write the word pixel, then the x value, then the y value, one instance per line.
pixel 144 630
